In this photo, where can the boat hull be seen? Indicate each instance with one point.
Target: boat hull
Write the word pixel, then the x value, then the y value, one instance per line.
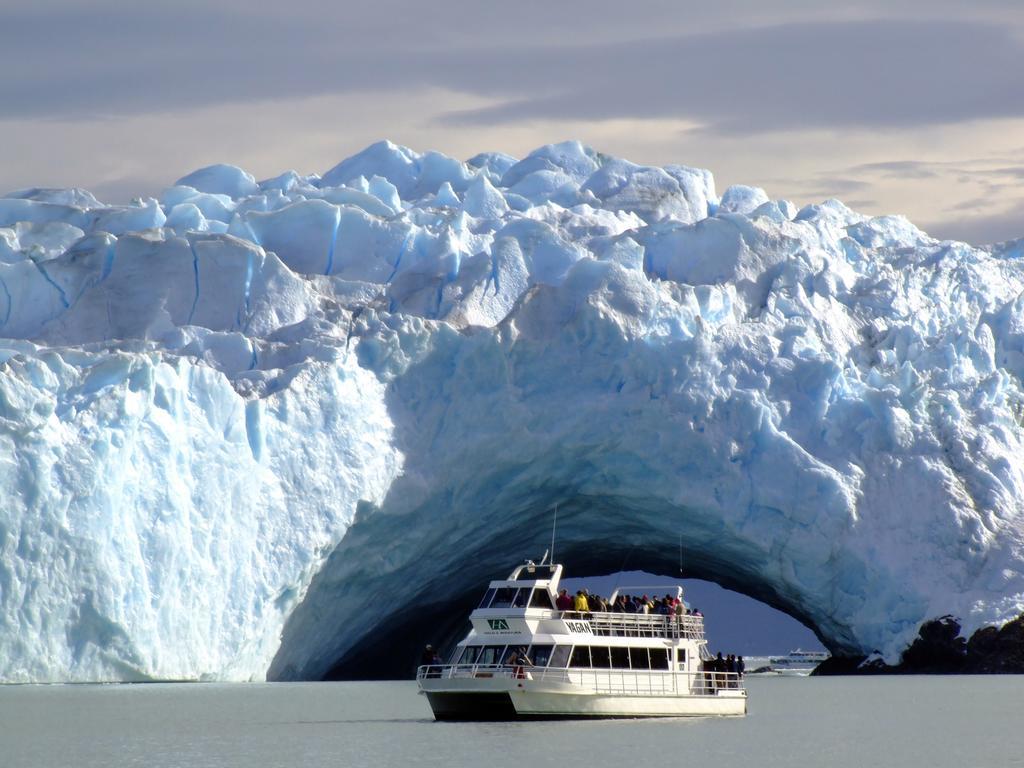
pixel 454 705
pixel 475 700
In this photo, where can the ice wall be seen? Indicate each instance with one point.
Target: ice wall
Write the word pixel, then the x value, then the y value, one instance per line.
pixel 236 420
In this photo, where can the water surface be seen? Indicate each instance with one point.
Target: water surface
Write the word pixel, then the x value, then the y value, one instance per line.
pixel 932 722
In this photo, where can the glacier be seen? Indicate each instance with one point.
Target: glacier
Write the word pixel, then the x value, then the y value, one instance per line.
pixel 249 428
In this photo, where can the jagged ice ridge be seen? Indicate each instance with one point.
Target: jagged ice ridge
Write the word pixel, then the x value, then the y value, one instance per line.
pixel 232 418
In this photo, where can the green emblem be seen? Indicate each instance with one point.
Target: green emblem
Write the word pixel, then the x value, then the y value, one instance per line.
pixel 498 624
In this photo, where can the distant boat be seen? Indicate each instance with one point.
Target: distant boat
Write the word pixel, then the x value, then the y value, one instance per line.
pixel 798 662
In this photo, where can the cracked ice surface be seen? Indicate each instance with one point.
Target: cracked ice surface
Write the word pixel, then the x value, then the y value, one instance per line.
pixel 199 392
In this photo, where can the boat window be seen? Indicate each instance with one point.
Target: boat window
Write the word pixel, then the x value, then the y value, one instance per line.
pixel 503 597
pixel 522 598
pixel 599 658
pixel 539 654
pixel 560 656
pixel 488 595
pixel 580 656
pixel 620 658
pixel 682 655
pixel 541 599
pixel 469 654
pixel 490 654
pixel 659 658
pixel 638 658
pixel 506 652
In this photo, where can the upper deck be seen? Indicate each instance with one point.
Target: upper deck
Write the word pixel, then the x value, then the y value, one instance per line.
pixel 524 604
pixel 527 621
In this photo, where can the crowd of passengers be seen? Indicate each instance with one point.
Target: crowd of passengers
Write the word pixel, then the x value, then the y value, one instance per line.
pixel 713 669
pixel 584 602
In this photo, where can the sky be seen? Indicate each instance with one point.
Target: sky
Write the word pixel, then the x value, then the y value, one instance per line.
pixel 911 107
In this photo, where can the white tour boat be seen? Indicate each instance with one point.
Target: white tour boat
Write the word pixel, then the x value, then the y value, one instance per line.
pixel 593 664
pixel 797 663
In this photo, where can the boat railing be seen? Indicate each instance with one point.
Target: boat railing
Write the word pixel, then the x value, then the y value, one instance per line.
pixel 636 682
pixel 615 624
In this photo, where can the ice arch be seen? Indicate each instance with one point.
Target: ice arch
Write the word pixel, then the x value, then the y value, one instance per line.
pixel 639 440
pixel 359 624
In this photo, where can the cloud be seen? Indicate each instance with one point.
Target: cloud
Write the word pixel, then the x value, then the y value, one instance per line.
pixel 972 169
pixel 912 169
pixel 876 73
pixel 982 229
pixel 862 74
pixel 827 186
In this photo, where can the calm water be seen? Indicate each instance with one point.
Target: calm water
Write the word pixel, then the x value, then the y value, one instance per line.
pixel 931 722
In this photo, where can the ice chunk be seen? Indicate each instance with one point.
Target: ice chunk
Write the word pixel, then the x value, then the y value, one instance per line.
pixel 220 179
pixel 117 221
pixel 446 196
pixel 777 210
pixel 545 186
pixel 742 199
pixel 570 160
pixel 74 198
pixel 285 182
pixel 385 191
pixel 482 200
pixel 370 248
pixel 47 240
pixel 13 211
pixel 397 164
pixel 494 164
pixel 184 217
pixel 652 193
pixel 302 234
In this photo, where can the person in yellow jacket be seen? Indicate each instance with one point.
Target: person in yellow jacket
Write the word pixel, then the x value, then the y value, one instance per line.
pixel 580 603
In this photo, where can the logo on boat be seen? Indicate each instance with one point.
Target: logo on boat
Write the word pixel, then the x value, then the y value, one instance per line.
pixel 497 624
pixel 580 627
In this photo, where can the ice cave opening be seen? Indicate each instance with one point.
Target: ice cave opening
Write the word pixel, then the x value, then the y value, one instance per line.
pixel 372 608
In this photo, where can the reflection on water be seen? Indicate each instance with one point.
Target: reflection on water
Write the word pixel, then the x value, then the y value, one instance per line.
pixel 840 722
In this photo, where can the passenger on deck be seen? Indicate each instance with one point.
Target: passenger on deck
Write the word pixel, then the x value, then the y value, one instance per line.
pixel 619 606
pixel 630 605
pixel 580 602
pixel 519 661
pixel 707 667
pixel 563 602
pixel 741 667
pixel 432 661
pixel 427 657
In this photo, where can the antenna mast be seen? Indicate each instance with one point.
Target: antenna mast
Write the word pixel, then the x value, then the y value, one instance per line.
pixel 554 525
